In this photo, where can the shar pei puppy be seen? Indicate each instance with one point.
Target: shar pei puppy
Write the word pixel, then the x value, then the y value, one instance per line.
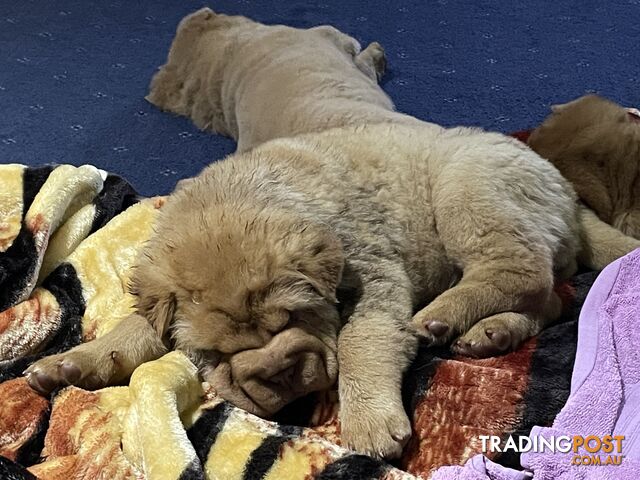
pixel 339 235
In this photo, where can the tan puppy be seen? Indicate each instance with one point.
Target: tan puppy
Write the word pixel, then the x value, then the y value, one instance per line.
pixel 255 82
pixel 276 265
pixel 595 144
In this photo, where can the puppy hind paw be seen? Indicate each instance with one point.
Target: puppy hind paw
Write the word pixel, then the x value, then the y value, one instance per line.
pixel 482 348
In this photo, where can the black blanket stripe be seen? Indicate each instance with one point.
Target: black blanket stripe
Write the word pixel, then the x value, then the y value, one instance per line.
pixel 33 179
pixel 418 378
pixel 550 372
pixel 203 433
pixel 263 457
pixel 193 471
pixel 12 471
pixel 65 286
pixel 17 266
pixel 30 452
pixel 18 262
pixel 354 467
pixel 116 196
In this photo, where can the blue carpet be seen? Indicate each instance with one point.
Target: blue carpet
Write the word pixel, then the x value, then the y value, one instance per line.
pixel 73 73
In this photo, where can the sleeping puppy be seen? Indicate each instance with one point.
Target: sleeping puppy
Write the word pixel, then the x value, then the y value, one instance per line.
pixel 595 144
pixel 259 261
pixel 278 265
pixel 255 82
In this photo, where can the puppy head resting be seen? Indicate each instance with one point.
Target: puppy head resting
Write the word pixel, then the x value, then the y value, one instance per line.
pixel 249 294
pixel 230 75
pixel 186 85
pixel 595 144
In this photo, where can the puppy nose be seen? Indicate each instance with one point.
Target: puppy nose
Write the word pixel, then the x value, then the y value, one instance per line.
pixel 285 378
pixel 245 338
pixel 265 379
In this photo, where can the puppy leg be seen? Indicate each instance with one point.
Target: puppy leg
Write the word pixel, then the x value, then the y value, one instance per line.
pixel 628 222
pixel 487 288
pixel 341 40
pixel 507 260
pixel 105 361
pixel 500 333
pixel 374 350
pixel 372 61
pixel 600 242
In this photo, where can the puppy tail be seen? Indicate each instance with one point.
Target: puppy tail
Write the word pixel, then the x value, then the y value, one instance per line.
pixel 601 243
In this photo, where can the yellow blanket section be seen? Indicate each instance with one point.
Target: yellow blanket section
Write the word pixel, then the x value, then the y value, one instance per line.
pixel 140 432
pixel 10 204
pixel 104 263
pixel 125 432
pixel 155 438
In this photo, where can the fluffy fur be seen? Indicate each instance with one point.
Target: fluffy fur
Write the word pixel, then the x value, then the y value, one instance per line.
pixel 278 264
pixel 595 144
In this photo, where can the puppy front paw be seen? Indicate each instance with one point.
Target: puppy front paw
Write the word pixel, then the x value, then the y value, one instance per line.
pixel 378 59
pixel 497 335
pixel 434 329
pixel 82 366
pixel 380 431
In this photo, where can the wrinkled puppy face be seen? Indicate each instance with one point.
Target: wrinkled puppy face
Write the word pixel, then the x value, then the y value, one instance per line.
pixel 251 298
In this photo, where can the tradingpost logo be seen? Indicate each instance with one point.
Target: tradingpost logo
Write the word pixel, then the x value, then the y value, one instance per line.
pixel 591 450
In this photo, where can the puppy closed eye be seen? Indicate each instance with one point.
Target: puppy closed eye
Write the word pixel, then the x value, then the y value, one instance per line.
pixel 196 297
pixel 293 292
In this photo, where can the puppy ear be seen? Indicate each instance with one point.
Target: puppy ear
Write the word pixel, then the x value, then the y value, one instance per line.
pixel 184 183
pixel 159 312
pixel 584 99
pixel 155 301
pixel 165 91
pixel 200 19
pixel 322 261
pixel 559 107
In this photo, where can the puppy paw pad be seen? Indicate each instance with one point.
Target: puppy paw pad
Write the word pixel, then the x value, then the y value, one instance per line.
pixel 70 372
pixel 40 381
pixel 500 338
pixel 437 328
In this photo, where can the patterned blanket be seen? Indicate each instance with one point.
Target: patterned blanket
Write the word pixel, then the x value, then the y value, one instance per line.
pixel 68 239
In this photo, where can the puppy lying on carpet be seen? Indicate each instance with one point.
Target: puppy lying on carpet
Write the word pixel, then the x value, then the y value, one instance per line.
pixel 595 144
pixel 255 82
pixel 276 265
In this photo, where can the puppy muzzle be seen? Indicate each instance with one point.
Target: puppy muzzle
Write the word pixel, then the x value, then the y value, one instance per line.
pixel 262 381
